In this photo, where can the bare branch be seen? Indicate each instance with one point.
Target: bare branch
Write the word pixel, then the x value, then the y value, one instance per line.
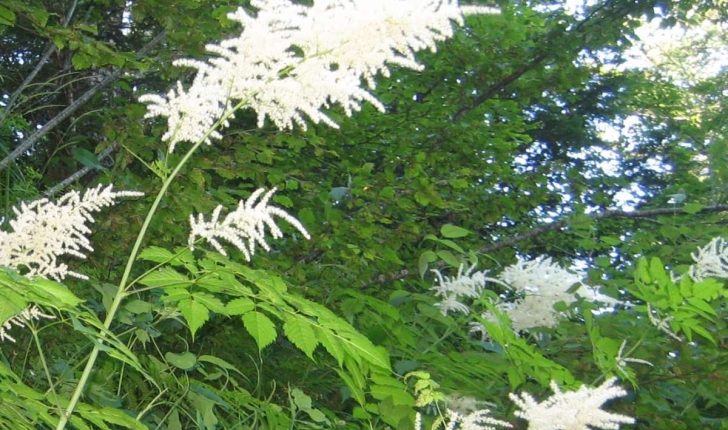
pixel 65 113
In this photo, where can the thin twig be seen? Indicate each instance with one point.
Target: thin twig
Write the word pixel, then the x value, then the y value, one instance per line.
pixel 65 113
pixel 78 175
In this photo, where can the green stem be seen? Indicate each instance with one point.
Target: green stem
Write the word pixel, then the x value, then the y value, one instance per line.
pixel 121 292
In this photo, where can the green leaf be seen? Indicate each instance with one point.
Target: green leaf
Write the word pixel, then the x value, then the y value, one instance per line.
pixel 184 361
pixel 612 241
pixel 260 327
pixel 210 302
pixel 118 417
pixel 332 345
pixel 453 232
pixel 693 208
pixel 81 60
pixel 156 254
pixel 137 306
pixel 7 16
pixel 239 306
pixel 356 389
pixel 87 158
pixel 426 258
pixel 218 362
pixel 299 331
pixel 449 258
pixel 165 277
pixel 195 312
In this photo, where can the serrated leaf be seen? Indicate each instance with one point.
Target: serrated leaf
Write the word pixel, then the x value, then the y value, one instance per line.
pixel 239 306
pixel 156 254
pixel 299 331
pixel 56 294
pixel 260 327
pixel 165 277
pixel 184 361
pixel 359 346
pixel 356 391
pixel 332 345
pixel 195 312
pixel 209 301
pixel 453 232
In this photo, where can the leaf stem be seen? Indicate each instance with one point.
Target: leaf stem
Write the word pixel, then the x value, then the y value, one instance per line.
pixel 121 292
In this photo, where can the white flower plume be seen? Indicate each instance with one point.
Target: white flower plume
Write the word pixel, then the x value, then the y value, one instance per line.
pixel 711 261
pixel 244 227
pixel 467 284
pixel 291 60
pixel 573 410
pixel 539 284
pixel 540 276
pixel 20 319
pixel 43 231
pixel 478 420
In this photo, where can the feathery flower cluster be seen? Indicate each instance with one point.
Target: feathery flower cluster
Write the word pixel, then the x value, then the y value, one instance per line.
pixel 292 60
pixel 43 231
pixel 467 284
pixel 21 319
pixel 539 285
pixel 542 283
pixel 711 261
pixel 246 223
pixel 478 420
pixel 575 410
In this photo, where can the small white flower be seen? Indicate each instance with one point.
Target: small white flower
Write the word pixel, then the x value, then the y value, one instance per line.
pixel 245 227
pixel 43 231
pixel 573 410
pixel 21 319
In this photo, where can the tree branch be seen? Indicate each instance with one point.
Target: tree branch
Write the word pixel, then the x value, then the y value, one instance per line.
pixel 51 48
pixel 78 175
pixel 65 113
pixel 563 223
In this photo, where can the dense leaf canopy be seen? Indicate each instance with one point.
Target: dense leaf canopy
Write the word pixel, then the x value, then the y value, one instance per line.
pixel 532 132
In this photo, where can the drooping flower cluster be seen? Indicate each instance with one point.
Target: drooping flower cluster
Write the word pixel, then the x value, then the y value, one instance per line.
pixel 243 227
pixel 292 60
pixel 20 319
pixel 573 410
pixel 711 261
pixel 43 231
